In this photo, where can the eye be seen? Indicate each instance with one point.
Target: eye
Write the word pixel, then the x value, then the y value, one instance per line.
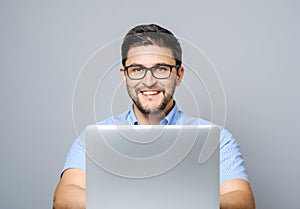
pixel 162 69
pixel 136 69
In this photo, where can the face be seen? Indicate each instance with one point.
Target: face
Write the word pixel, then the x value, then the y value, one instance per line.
pixel 151 95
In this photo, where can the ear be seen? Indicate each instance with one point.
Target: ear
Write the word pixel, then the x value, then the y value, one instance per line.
pixel 180 75
pixel 122 70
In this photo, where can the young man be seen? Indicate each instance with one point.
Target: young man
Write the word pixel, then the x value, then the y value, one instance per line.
pixel 151 58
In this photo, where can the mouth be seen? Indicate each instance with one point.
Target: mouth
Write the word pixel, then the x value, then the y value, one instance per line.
pixel 150 92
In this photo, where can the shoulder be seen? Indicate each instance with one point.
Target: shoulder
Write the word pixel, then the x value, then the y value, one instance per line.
pixel 225 136
pixel 120 119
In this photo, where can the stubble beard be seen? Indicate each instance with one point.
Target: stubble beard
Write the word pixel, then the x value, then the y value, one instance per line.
pixel 149 111
pixel 167 97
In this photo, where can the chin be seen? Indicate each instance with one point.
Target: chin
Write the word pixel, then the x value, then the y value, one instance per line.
pixel 153 110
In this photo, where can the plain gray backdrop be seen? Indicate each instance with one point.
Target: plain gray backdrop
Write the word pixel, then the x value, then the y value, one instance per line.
pixel 254 46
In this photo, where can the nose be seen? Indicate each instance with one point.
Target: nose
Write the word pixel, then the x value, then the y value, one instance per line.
pixel 149 80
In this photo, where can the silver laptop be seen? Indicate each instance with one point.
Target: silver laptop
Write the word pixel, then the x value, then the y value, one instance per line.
pixel 152 167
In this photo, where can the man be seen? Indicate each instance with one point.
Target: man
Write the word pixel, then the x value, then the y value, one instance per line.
pixel 151 58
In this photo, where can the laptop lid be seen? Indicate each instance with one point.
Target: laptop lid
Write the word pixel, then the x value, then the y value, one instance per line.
pixel 152 167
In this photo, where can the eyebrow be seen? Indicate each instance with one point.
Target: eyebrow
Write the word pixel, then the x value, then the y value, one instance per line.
pixel 139 65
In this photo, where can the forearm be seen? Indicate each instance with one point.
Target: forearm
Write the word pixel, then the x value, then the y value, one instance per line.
pixel 237 200
pixel 69 197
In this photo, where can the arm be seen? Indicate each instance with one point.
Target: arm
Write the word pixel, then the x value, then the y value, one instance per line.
pixel 70 192
pixel 236 194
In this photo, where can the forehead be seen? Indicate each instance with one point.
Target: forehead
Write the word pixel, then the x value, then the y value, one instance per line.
pixel 149 55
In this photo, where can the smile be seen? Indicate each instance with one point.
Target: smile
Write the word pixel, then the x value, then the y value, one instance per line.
pixel 150 92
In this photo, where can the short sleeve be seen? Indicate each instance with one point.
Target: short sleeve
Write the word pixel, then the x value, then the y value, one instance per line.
pixel 231 161
pixel 76 155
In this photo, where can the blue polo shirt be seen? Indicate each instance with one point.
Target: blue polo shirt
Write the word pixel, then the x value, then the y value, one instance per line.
pixel 231 161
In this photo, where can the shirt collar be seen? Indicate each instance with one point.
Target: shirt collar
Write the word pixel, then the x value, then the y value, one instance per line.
pixel 170 119
pixel 131 119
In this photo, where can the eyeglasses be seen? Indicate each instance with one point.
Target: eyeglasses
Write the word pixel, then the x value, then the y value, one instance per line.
pixel 160 71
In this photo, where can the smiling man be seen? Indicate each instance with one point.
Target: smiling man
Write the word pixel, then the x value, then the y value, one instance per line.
pixel 152 93
pixel 151 59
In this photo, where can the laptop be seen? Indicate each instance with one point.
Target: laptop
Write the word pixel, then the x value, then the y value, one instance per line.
pixel 152 167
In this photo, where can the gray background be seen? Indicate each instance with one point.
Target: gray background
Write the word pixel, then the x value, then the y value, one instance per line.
pixel 254 46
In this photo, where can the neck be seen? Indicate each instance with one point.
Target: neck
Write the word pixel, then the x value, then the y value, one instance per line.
pixel 152 119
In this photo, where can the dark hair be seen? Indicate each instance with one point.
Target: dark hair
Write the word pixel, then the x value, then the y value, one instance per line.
pixel 152 34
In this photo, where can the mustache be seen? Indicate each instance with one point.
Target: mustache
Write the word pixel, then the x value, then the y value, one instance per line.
pixel 143 88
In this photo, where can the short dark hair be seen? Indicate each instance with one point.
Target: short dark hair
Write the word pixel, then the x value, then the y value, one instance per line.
pixel 152 34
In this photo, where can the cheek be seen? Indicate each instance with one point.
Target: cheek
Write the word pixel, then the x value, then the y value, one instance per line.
pixel 170 85
pixel 131 85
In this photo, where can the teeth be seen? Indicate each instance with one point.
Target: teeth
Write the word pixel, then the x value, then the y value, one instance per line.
pixel 150 92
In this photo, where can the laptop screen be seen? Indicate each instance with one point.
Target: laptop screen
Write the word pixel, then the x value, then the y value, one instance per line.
pixel 152 167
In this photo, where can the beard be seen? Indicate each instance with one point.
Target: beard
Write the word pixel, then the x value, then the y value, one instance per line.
pixel 153 111
pixel 148 110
